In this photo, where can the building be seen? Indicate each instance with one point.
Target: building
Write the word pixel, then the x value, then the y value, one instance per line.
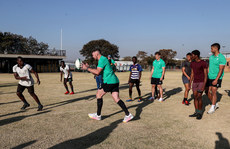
pixel 40 63
pixel 123 65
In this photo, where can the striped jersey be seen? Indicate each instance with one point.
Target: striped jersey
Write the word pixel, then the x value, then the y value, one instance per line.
pixel 135 71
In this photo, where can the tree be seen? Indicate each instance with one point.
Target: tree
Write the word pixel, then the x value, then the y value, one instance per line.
pixel 141 56
pixel 167 55
pixel 17 44
pixel 127 58
pixel 105 46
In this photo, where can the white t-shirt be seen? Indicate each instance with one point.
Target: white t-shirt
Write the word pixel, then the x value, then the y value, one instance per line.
pixel 24 72
pixel 65 71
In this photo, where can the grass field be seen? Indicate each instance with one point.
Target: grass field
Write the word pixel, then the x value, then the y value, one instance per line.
pixel 64 122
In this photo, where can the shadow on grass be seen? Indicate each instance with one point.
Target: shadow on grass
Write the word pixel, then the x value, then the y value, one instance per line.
pixel 139 107
pixel 171 92
pixel 62 103
pixel 9 84
pixel 10 102
pixel 89 140
pixel 206 101
pixel 222 143
pixel 19 118
pixel 24 145
pixel 1 93
pixel 228 92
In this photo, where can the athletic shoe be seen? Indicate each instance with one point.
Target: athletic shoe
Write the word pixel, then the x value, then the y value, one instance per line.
pixel 183 101
pixel 40 107
pixel 211 110
pixel 71 93
pixel 193 115
pixel 186 102
pixel 25 106
pixel 199 116
pixel 161 100
pixel 128 118
pixel 130 99
pixel 139 100
pixel 94 116
pixel 67 92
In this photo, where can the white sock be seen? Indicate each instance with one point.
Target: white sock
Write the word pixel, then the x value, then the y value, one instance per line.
pixel 213 106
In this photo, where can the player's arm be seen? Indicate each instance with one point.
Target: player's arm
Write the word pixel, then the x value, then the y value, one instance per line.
pixel 192 76
pixel 183 71
pixel 221 70
pixel 16 76
pixel 96 71
pixel 152 72
pixel 205 78
pixel 68 73
pixel 163 74
pixel 61 75
pixel 36 75
pixel 140 75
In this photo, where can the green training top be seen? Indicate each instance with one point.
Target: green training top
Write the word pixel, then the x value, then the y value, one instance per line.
pixel 158 70
pixel 108 75
pixel 214 63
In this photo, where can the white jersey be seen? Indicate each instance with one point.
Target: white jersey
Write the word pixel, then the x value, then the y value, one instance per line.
pixel 24 72
pixel 65 71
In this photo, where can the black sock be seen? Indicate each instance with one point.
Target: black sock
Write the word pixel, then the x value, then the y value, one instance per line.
pixel 185 99
pixel 99 105
pixel 123 107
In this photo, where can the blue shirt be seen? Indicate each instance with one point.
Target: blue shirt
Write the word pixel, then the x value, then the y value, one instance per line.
pixel 135 70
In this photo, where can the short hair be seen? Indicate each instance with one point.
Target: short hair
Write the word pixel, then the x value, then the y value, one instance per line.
pixel 217 45
pixel 157 53
pixel 96 49
pixel 63 62
pixel 190 54
pixel 19 57
pixel 134 57
pixel 196 52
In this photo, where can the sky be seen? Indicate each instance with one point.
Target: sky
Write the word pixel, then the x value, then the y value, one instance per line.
pixel 133 25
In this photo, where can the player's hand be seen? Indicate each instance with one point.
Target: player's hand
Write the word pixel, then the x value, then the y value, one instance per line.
pixel 84 66
pixel 24 78
pixel 214 82
pixel 150 78
pixel 161 79
pixel 61 80
pixel 38 81
pixel 189 78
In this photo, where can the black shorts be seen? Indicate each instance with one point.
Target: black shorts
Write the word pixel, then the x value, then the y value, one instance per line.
pixel 68 79
pixel 156 81
pixel 209 83
pixel 110 87
pixel 21 88
pixel 135 81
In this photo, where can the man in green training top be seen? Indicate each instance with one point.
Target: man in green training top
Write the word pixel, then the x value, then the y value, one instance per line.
pixel 157 75
pixel 110 84
pixel 215 75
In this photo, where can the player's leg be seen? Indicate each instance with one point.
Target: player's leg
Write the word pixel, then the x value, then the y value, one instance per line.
pixel 199 110
pixel 161 92
pixel 195 94
pixel 130 91
pixel 187 89
pixel 99 96
pixel 153 92
pixel 138 90
pixel 31 91
pixel 116 98
pixel 213 99
pixel 20 90
pixel 156 94
pixel 71 86
pixel 66 87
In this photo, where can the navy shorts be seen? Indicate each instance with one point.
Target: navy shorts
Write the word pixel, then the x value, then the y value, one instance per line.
pixel 185 80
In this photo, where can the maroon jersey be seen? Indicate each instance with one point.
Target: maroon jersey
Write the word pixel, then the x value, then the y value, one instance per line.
pixel 198 70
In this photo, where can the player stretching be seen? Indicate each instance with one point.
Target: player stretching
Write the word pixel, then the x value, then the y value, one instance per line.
pixel 67 77
pixel 157 75
pixel 110 84
pixel 134 78
pixel 198 80
pixel 186 74
pixel 215 75
pixel 22 72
